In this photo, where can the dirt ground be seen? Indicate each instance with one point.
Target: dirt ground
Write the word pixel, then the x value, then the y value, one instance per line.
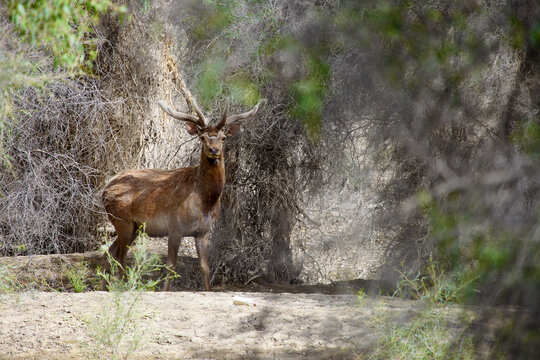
pixel 193 325
pixel 287 322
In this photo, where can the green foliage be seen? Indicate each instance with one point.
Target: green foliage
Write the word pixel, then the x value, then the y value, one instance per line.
pixel 309 93
pixel 77 276
pixel 309 88
pixel 436 285
pixel 209 82
pixel 439 330
pixel 219 25
pixel 63 27
pixel 218 15
pixel 430 334
pixel 478 258
pixel 517 35
pixel 361 295
pixel 526 135
pixel 214 82
pixel 243 90
pixel 8 280
pixel 15 72
pixel 484 262
pixel 482 218
pixel 419 40
pixel 535 35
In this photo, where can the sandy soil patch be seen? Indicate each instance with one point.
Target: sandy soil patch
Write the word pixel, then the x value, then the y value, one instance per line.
pixel 194 325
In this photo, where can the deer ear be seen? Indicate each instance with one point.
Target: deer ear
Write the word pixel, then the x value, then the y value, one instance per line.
pixel 232 129
pixel 192 129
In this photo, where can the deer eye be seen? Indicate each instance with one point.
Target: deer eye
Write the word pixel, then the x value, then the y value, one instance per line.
pixel 223 138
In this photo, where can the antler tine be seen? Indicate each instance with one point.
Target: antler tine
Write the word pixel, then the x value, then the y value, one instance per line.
pixel 223 120
pixel 197 120
pixel 198 112
pixel 244 116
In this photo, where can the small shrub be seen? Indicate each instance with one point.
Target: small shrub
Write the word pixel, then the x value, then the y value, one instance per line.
pixel 361 295
pixel 64 27
pixel 435 285
pixel 427 335
pixel 431 333
pixel 115 331
pixel 8 280
pixel 77 276
pixel 141 276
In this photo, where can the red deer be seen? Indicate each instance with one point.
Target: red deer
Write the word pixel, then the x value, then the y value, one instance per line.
pixel 174 203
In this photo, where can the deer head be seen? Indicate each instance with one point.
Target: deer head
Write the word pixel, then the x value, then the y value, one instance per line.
pixel 212 137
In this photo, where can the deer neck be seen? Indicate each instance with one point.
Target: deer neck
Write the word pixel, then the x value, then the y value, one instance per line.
pixel 211 179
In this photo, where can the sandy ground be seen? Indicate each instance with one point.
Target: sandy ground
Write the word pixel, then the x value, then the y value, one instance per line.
pixel 192 325
pixel 288 322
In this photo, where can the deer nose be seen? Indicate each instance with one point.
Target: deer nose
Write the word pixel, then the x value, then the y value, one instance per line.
pixel 214 150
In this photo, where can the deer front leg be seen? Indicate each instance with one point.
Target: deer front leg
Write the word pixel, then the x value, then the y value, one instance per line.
pixel 173 245
pixel 201 243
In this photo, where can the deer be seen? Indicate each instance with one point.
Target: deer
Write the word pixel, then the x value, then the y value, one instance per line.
pixel 174 203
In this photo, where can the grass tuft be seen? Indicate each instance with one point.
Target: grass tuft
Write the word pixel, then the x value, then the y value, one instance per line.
pixel 433 331
pixel 77 276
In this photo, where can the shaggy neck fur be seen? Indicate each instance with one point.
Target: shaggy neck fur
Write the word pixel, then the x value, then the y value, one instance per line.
pixel 212 179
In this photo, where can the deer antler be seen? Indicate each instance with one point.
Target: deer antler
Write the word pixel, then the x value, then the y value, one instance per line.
pixel 198 120
pixel 230 120
pixel 223 120
pixel 198 112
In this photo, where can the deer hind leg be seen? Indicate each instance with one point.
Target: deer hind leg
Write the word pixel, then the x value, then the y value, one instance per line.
pixel 201 243
pixel 172 256
pixel 126 234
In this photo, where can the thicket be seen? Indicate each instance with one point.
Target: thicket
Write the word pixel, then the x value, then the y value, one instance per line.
pixel 244 51
pixel 58 129
pixel 446 96
pixel 448 99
